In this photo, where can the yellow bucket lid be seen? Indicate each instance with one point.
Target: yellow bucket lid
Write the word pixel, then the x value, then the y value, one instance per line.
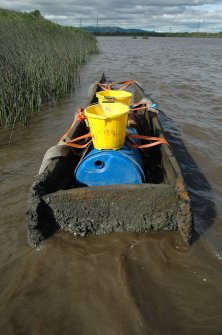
pixel 106 111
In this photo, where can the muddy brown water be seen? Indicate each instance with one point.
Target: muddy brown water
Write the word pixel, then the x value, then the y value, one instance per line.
pixel 123 283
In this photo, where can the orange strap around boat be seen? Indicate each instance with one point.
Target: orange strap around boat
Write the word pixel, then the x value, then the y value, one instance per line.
pixel 139 108
pixel 125 84
pixel 105 87
pixel 155 141
pixel 73 144
pixel 79 117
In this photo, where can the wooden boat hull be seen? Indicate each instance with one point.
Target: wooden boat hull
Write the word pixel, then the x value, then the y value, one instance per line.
pixel 161 204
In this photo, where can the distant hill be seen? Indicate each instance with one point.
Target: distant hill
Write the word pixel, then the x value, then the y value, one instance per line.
pixel 117 31
pixel 94 29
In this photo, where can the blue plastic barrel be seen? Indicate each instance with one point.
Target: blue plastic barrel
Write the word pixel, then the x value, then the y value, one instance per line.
pixel 109 167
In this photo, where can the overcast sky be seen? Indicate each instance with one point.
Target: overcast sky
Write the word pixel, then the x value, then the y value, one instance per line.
pixel 158 15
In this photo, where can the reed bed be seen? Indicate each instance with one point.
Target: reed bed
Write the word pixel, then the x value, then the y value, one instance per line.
pixel 39 61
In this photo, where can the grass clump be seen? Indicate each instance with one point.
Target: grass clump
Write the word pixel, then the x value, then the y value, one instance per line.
pixel 39 61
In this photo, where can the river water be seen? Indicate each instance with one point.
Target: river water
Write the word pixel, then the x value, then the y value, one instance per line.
pixel 122 283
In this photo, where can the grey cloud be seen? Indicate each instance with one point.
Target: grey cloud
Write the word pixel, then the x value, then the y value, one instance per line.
pixel 159 14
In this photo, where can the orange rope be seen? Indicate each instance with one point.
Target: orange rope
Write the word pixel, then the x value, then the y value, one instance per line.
pixel 72 143
pixel 79 117
pixel 139 108
pixel 125 84
pixel 105 87
pixel 157 141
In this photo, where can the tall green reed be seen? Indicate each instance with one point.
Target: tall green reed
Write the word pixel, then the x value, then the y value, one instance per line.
pixel 39 61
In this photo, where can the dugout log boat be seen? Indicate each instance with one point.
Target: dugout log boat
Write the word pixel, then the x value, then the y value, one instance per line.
pixel 136 188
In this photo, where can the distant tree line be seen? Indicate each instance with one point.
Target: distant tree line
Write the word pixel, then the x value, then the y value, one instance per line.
pixel 162 34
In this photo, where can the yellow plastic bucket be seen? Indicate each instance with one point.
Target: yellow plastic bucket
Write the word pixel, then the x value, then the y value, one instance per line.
pixel 107 123
pixel 114 96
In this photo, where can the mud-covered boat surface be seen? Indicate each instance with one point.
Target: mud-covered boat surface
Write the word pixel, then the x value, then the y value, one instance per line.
pixel 162 203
